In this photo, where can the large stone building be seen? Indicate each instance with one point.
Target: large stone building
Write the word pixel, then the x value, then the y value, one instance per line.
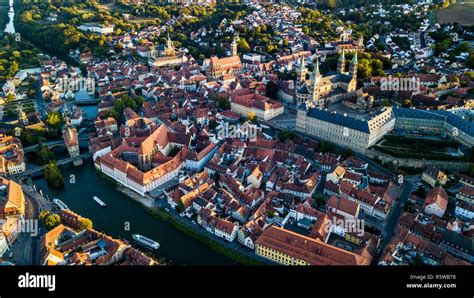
pixel 71 244
pixel 245 101
pixel 12 213
pixel 289 248
pixel 344 130
pixel 145 166
pixel 322 91
pixel 166 55
pixel 225 66
pixel 12 159
pixel 71 140
pixel 359 135
pixel 436 122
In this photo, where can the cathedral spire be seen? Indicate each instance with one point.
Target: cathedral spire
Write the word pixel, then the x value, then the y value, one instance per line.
pixel 316 68
pixel 353 66
pixel 233 46
pixel 169 49
pixel 316 80
pixel 302 71
pixel 341 62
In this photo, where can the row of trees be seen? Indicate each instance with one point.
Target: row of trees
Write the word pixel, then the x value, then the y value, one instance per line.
pixel 3 13
pixel 52 220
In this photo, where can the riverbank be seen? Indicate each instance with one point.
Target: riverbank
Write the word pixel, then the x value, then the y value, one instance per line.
pixel 124 217
pixel 214 245
pixel 147 204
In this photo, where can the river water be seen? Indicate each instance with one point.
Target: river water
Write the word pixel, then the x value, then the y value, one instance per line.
pixel 10 28
pixel 175 246
pixel 121 211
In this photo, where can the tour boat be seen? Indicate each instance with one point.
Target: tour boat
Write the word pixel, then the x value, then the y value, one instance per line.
pixel 60 204
pixel 146 242
pixel 102 204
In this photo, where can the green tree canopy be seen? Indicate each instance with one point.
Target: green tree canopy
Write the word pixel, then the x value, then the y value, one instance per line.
pixel 53 175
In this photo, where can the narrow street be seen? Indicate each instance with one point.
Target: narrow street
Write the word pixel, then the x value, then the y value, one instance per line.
pixel 391 222
pixel 25 249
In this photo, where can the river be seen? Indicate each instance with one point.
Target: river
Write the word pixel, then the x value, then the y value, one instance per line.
pixel 175 246
pixel 10 28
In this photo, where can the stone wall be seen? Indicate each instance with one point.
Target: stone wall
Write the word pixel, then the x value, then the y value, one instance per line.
pixel 417 163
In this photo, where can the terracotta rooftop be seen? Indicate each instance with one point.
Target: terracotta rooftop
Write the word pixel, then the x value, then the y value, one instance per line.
pixel 315 252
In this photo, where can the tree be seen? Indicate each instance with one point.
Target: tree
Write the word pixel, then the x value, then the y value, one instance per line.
pixel 223 103
pixel 55 120
pixel 320 201
pixel 271 89
pixel 86 223
pixel 180 207
pixel 407 103
pixel 252 117
pixel 53 175
pixel 471 171
pixel 324 147
pixel 243 45
pixel 44 155
pixel 420 192
pixel 52 221
pixel 10 97
pixel 347 153
pixel 284 135
pixel 418 260
pixel 385 103
pixel 212 124
pixel 331 3
pixel 43 214
pixel 364 69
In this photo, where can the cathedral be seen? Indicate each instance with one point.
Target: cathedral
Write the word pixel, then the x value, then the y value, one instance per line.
pixel 321 91
pixel 166 55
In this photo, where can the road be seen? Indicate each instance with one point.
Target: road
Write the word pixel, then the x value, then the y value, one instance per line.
pixel 25 250
pixel 39 204
pixel 408 187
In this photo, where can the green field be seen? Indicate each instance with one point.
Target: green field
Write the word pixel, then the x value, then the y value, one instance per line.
pixel 462 12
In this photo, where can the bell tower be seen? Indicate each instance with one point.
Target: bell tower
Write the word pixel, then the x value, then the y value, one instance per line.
pixel 302 72
pixel 233 47
pixel 341 62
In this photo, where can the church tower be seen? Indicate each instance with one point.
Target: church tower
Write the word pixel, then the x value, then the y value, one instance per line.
pixel 22 117
pixel 169 48
pixel 302 72
pixel 341 62
pixel 360 42
pixel 317 80
pixel 233 47
pixel 353 67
